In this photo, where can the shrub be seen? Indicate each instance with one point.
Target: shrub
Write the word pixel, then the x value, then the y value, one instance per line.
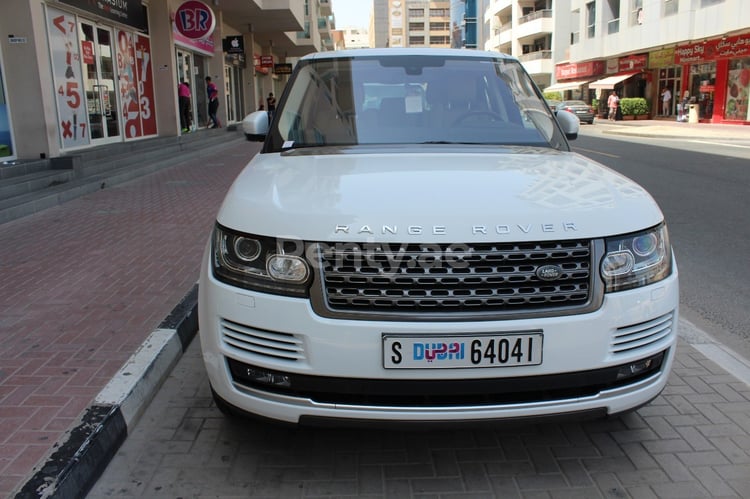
pixel 633 106
pixel 553 95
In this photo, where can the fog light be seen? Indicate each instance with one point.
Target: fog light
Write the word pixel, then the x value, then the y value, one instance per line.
pixel 639 367
pixel 267 378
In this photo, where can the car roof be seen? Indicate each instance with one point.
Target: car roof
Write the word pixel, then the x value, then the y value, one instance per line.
pixel 398 51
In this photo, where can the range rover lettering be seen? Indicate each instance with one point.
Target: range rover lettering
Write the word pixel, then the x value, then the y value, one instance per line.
pixel 416 242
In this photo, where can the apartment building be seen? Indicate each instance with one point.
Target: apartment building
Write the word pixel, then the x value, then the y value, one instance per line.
pixel 530 30
pixel 411 23
pixel 699 49
pixel 76 74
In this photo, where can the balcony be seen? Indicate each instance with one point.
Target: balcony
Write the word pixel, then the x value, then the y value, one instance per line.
pixel 539 62
pixel 326 9
pixel 536 23
pixel 497 7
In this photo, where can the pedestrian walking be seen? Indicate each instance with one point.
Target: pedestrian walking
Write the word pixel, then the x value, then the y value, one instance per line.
pixel 184 96
pixel 213 103
pixel 613 102
pixel 271 105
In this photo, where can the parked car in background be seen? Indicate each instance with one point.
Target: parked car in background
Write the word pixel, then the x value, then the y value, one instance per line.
pixel 553 104
pixel 583 111
pixel 403 251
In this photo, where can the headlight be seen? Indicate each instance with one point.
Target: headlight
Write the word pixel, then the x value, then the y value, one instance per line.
pixel 636 259
pixel 260 263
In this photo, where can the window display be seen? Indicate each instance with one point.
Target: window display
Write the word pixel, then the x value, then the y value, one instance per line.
pixel 738 89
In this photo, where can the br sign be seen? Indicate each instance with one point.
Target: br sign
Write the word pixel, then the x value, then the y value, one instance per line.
pixel 195 20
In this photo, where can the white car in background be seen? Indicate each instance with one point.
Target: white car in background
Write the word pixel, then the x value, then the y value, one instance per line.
pixel 417 243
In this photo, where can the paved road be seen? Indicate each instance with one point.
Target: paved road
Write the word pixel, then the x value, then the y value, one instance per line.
pixel 692 441
pixel 86 284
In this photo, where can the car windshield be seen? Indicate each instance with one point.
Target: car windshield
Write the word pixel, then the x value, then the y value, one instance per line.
pixel 412 99
pixel 574 103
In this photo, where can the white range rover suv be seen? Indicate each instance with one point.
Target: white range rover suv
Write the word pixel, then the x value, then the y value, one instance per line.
pixel 416 243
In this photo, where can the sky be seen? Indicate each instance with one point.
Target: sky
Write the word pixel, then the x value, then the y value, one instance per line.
pixel 352 13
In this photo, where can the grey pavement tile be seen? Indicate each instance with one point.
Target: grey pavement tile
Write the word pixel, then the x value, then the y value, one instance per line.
pixel 641 492
pixel 541 481
pixel 370 480
pixel 702 458
pixel 696 440
pixel 445 463
pixel 332 488
pixel 674 468
pixel 504 486
pixel 543 460
pixel 661 427
pixel 474 477
pixel 575 474
pixel 712 481
pixel 681 490
pixel 609 485
pixel 639 456
pixel 666 446
pixel 642 476
pixel 613 464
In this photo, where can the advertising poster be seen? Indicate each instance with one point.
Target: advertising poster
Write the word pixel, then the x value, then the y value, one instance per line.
pixel 738 91
pixel 6 142
pixel 145 84
pixel 66 76
pixel 128 86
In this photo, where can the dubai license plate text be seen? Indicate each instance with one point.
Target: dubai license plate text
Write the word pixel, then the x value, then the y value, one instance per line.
pixel 451 352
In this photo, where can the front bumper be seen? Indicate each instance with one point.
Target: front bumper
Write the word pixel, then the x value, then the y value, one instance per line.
pixel 295 352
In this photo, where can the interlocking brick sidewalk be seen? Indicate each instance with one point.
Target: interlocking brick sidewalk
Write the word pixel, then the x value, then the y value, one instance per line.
pixel 84 283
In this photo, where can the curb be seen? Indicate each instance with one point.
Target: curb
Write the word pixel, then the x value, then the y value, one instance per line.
pixel 83 453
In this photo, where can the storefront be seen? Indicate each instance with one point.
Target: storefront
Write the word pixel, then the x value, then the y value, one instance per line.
pixel 101 72
pixel 573 79
pixel 718 77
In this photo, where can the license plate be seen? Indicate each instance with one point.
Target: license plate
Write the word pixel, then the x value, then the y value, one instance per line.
pixel 453 352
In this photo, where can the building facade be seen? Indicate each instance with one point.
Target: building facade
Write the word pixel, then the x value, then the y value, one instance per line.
pixel 76 74
pixel 698 50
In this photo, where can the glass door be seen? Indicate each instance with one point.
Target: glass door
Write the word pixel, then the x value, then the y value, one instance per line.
pixel 99 81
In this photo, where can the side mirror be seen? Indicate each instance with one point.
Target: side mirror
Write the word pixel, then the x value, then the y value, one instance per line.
pixel 255 126
pixel 569 123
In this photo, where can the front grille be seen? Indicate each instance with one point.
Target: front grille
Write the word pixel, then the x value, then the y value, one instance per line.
pixel 465 279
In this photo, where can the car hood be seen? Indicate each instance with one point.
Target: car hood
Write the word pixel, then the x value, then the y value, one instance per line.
pixel 434 195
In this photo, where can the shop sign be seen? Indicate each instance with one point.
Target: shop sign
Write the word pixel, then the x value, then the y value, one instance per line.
pixel 282 69
pixel 661 58
pixel 633 62
pixel 233 45
pixel 578 70
pixel 731 47
pixel 266 61
pixel 706 89
pixel 204 46
pixel 257 64
pixel 129 12
pixel 195 20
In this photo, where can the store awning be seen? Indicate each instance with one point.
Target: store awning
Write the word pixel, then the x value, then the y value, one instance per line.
pixel 565 85
pixel 610 81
